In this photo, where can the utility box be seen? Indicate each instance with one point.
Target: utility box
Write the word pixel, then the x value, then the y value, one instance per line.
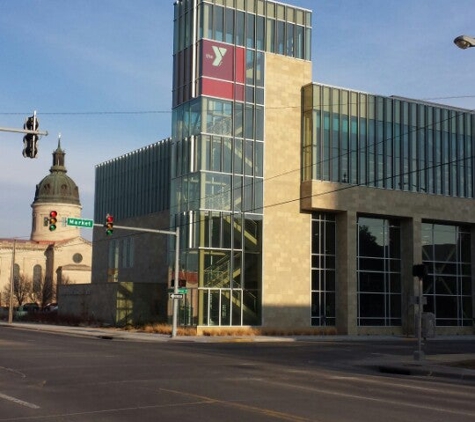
pixel 428 325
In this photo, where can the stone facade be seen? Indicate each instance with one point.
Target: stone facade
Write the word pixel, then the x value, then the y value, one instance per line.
pixel 286 233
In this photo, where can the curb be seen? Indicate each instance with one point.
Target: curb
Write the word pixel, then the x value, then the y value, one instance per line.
pixel 428 370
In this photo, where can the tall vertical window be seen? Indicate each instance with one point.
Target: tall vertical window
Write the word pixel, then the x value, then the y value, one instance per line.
pixel 323 269
pixel 446 251
pixel 16 273
pixel 37 275
pixel 379 272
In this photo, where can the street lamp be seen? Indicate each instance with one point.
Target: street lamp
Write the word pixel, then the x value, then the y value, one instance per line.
pixel 464 41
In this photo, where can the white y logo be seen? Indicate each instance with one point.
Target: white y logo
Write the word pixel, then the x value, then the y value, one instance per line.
pixel 219 53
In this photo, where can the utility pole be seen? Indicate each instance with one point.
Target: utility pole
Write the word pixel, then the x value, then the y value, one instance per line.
pixel 419 271
pixel 12 281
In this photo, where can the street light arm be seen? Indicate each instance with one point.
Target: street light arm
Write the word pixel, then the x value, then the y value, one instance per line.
pixel 464 41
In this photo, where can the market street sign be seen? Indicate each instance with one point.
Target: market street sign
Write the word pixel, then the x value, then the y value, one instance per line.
pixel 80 222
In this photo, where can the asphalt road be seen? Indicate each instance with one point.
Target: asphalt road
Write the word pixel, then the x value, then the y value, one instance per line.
pixel 50 377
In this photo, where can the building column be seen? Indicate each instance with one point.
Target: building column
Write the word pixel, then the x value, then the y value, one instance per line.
pixel 346 280
pixel 472 261
pixel 411 254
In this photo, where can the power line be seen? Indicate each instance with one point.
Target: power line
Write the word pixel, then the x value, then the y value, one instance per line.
pixel 88 113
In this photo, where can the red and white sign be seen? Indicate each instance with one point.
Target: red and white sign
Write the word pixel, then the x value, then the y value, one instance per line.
pixel 223 66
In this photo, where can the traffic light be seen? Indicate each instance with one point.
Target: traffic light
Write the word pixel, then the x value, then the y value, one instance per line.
pixel 53 220
pixel 109 224
pixel 30 140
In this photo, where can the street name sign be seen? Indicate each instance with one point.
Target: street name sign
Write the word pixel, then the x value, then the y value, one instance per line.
pixel 180 290
pixel 80 222
pixel 176 296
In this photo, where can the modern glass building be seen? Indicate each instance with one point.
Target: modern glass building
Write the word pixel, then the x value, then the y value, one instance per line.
pixel 300 206
pixel 219 142
pixel 401 172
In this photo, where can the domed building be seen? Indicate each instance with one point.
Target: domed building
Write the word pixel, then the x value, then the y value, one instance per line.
pixel 56 253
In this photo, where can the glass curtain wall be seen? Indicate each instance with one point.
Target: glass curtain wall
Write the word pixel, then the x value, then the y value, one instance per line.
pixel 448 286
pixel 323 269
pixel 387 142
pixel 218 147
pixel 134 184
pixel 379 272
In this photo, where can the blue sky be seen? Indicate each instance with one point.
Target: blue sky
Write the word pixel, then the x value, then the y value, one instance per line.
pixel 100 73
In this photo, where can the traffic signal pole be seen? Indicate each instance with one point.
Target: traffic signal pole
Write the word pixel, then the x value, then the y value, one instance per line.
pixel 26 131
pixel 175 233
pixel 30 129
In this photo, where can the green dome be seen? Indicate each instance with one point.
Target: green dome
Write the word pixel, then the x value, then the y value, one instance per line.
pixel 57 186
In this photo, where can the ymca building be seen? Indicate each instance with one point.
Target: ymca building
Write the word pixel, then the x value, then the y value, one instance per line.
pixel 300 206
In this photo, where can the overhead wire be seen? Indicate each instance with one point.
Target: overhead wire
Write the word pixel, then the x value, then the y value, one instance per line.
pixel 357 151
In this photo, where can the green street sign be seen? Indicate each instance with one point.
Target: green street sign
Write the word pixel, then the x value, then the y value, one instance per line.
pixel 80 222
pixel 181 290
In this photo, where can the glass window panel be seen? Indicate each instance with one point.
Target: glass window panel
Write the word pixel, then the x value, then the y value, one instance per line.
pixel 238 120
pixel 229 25
pixel 238 156
pixel 299 42
pixel 240 25
pixel 259 123
pixel 249 122
pixel 446 285
pixel 395 283
pixel 248 205
pixel 371 282
pixel 371 264
pixel 290 40
pixel 372 305
pixel 218 23
pixel 280 37
pixel 260 33
pixel 259 74
pixel 259 159
pixel 395 303
pixel 207 21
pixel 330 238
pixel 316 280
pixel 270 36
pixel 227 155
pixel 330 280
pixel 446 307
pixel 250 37
pixel 250 67
pixel 249 158
pixel 216 154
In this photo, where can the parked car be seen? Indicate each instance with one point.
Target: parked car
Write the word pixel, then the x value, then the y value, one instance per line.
pixel 3 312
pixel 51 308
pixel 26 309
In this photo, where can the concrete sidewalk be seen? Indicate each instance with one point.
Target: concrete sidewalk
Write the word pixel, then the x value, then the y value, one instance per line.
pixel 442 365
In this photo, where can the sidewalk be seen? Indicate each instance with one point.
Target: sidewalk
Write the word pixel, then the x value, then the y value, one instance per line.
pixel 443 365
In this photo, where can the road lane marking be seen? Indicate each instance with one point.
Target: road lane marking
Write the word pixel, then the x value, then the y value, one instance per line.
pixel 252 409
pixel 18 401
pixel 365 398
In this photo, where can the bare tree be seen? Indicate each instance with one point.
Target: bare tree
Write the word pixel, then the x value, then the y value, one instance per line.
pixel 6 294
pixel 42 291
pixel 21 288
